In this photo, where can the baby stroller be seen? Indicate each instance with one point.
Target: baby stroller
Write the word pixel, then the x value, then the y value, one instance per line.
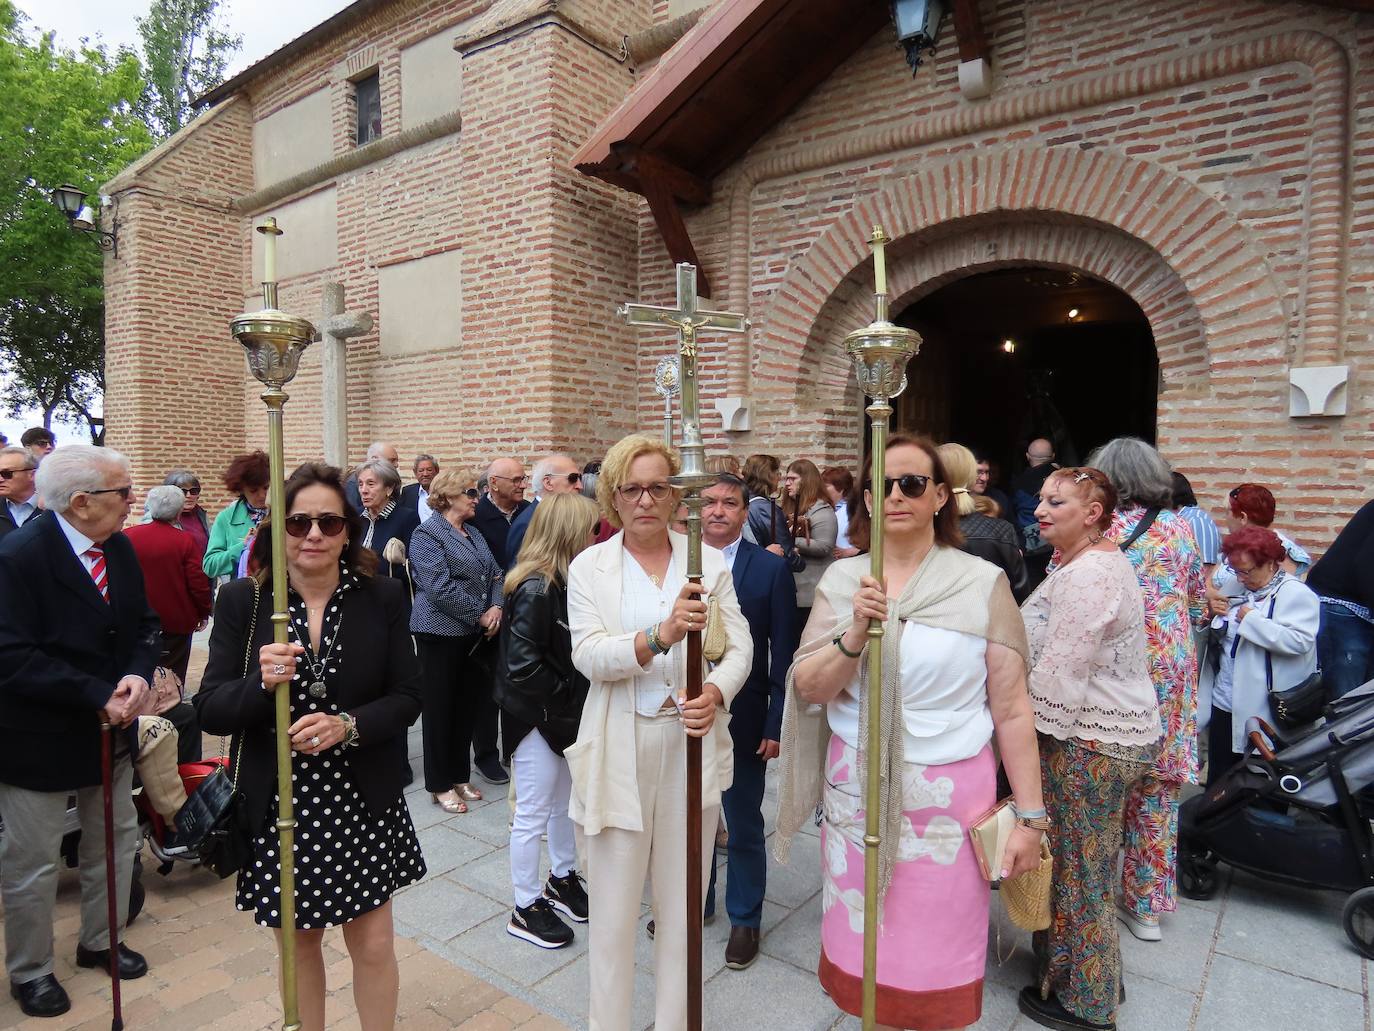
pixel 1295 809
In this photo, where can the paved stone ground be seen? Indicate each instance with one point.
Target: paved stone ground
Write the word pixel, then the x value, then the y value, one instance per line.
pixel 1258 956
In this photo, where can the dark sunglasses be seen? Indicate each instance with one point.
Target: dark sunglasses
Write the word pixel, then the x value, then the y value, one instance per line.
pixel 472 492
pixel 123 492
pixel 191 492
pixel 9 474
pixel 573 477
pixel 330 525
pixel 913 484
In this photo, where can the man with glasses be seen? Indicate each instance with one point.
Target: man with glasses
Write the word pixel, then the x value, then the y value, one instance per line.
pixel 17 468
pixel 496 511
pixel 556 474
pixel 78 644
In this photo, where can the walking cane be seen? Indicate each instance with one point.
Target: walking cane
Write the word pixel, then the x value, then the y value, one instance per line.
pixel 274 342
pixel 687 319
pixel 111 882
pixel 880 352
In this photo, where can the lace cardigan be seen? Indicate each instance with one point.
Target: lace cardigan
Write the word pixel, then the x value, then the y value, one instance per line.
pixel 1089 676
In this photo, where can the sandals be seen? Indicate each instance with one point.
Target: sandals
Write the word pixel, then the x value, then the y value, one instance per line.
pixel 450 805
pixel 467 792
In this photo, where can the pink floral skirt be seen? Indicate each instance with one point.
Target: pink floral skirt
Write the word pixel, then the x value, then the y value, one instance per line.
pixel 933 936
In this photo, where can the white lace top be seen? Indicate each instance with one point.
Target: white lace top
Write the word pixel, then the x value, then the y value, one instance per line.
pixel 1089 675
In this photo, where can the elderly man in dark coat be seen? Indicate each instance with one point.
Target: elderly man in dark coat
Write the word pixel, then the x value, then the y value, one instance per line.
pixel 78 643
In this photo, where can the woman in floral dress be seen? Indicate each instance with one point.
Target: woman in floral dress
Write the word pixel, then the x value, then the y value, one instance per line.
pixel 1169 567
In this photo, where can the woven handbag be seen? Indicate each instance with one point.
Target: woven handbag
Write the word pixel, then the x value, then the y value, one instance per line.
pixel 1026 896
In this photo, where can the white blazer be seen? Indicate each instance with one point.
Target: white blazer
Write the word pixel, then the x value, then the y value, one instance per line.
pixel 605 784
pixel 1290 641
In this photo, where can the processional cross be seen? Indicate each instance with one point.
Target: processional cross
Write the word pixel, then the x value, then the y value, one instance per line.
pixel 688 319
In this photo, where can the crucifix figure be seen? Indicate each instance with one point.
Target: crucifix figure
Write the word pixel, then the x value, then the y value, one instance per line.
pixel 336 326
pixel 689 320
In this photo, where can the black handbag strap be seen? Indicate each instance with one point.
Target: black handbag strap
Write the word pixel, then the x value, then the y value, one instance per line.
pixel 1141 528
pixel 247 664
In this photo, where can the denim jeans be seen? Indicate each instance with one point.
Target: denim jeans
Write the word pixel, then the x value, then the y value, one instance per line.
pixel 1345 650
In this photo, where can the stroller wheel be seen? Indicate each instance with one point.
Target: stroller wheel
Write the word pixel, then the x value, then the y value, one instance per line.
pixel 1358 919
pixel 1197 875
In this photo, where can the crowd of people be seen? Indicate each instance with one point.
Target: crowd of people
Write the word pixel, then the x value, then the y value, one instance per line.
pixel 1073 635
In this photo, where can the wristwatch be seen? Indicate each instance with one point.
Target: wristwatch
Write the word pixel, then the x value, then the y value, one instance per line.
pixel 1035 819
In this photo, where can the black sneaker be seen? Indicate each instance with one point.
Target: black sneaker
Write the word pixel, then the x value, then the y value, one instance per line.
pixel 492 771
pixel 567 895
pixel 539 925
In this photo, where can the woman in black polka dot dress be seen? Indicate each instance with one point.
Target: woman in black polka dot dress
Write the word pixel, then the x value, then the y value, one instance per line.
pixel 354 687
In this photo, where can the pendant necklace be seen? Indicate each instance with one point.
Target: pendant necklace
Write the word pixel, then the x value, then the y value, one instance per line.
pixel 317 688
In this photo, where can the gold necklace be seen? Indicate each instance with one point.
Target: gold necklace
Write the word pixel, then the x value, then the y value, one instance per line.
pixel 657 581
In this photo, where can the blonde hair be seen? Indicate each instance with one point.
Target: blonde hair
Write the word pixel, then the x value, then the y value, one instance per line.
pixel 557 534
pixel 962 469
pixel 722 464
pixel 447 485
pixel 616 466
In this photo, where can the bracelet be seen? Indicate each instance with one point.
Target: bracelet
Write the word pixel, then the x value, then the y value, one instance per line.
pixel 1029 814
pixel 1035 823
pixel 350 738
pixel 838 642
pixel 651 638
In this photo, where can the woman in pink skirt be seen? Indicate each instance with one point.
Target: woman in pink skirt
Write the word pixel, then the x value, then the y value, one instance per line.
pixel 954 675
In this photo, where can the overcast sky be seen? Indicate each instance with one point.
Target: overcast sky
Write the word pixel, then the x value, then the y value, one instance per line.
pixel 264 24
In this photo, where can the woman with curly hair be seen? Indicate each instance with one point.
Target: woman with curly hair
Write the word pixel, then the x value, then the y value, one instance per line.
pixel 247 476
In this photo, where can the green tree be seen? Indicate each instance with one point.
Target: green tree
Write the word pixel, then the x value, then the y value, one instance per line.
pixel 184 55
pixel 68 117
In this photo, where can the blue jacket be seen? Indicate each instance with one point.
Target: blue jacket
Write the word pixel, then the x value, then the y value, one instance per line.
pixel 519 526
pixel 456 579
pixel 768 598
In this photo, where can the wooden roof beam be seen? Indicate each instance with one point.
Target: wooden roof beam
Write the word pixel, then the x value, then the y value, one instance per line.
pixel 968 27
pixel 640 164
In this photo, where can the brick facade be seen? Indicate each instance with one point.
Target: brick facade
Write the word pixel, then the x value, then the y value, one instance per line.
pixel 1212 160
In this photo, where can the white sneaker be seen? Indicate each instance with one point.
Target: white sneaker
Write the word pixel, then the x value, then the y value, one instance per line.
pixel 1146 928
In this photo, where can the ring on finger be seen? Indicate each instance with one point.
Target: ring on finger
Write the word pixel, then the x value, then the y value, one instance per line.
pixel 315 741
pixel 279 669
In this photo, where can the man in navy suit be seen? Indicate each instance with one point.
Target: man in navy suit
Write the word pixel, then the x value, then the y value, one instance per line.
pixel 78 643
pixel 768 597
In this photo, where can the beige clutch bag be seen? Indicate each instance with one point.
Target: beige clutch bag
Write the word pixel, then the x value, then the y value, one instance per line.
pixel 713 641
pixel 989 834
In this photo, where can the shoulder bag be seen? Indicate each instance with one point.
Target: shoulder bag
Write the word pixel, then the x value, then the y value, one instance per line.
pixel 213 822
pixel 1299 705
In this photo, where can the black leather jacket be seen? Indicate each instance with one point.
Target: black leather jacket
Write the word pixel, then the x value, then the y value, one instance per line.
pixel 535 679
pixel 994 541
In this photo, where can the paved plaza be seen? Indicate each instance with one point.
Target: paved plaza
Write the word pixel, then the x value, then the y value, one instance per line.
pixel 1258 957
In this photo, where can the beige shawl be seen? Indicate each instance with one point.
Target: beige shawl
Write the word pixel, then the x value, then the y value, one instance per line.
pixel 950 590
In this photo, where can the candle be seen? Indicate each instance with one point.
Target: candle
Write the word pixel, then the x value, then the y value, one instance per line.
pixel 269 258
pixel 879 238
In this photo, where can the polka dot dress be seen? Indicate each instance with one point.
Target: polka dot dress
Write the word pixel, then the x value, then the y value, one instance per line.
pixel 348 861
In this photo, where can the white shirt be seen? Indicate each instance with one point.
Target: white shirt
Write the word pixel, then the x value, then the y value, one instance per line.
pixel 22 512
pixel 730 551
pixel 945 712
pixel 422 504
pixel 842 518
pixel 79 541
pixel 641 606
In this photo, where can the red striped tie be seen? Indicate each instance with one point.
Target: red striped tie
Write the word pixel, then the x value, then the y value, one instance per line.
pixel 102 580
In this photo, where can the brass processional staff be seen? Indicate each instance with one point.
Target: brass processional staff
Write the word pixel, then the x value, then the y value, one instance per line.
pixel 688 320
pixel 274 342
pixel 880 352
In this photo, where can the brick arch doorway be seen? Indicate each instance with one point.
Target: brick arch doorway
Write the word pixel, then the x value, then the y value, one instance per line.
pixel 1028 351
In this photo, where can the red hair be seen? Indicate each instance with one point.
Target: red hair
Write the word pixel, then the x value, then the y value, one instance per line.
pixel 1090 485
pixel 1254 502
pixel 1262 545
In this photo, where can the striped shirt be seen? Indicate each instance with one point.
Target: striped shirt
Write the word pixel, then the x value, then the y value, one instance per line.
pixel 1205 533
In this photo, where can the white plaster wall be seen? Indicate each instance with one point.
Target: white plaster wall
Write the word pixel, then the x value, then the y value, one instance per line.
pixel 310 236
pixel 421 304
pixel 431 79
pixel 297 137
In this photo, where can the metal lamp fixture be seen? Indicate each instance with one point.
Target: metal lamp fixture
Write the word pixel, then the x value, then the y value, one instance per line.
pixel 918 23
pixel 83 218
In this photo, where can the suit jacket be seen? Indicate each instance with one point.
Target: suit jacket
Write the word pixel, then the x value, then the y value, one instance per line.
pixel 176 585
pixel 410 498
pixel 378 683
pixel 605 786
pixel 519 526
pixel 63 648
pixel 768 598
pixel 6 522
pixel 491 523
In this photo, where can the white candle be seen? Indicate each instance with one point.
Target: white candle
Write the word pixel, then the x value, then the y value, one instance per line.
pixel 879 238
pixel 269 257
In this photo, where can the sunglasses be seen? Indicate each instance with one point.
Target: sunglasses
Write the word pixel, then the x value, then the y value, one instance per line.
pixel 191 492
pixel 330 525
pixel 632 492
pixel 913 485
pixel 472 493
pixel 123 492
pixel 572 477
pixel 9 474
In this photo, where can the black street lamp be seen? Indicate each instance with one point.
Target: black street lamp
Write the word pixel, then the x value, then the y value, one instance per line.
pixel 83 218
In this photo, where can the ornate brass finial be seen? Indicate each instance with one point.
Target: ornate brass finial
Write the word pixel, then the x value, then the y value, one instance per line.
pixel 881 350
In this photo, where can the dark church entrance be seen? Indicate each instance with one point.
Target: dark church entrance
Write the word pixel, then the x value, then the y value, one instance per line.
pixel 1030 352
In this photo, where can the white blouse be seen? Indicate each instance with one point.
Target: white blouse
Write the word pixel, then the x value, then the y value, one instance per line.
pixel 945 712
pixel 641 606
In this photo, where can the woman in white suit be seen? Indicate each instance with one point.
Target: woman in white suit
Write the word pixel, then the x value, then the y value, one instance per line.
pixel 629 610
pixel 1266 638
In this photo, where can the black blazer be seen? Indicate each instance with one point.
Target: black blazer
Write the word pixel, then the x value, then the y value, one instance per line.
pixel 491 522
pixel 63 648
pixel 378 683
pixel 767 596
pixel 6 520
pixel 536 681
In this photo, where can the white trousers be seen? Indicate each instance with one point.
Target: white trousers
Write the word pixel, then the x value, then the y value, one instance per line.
pixel 542 786
pixel 617 863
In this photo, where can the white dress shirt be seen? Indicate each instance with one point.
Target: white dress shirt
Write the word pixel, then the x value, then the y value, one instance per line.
pixel 730 551
pixel 79 541
pixel 22 512
pixel 422 504
pixel 642 605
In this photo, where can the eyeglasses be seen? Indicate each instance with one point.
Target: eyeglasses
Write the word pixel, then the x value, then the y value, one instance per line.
pixel 330 525
pixel 913 485
pixel 632 492
pixel 123 492
pixel 9 474
pixel 513 479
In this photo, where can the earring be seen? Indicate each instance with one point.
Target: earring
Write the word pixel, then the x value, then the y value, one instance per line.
pixel 939 510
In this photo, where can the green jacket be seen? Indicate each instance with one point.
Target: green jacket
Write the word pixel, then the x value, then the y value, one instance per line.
pixel 231 528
